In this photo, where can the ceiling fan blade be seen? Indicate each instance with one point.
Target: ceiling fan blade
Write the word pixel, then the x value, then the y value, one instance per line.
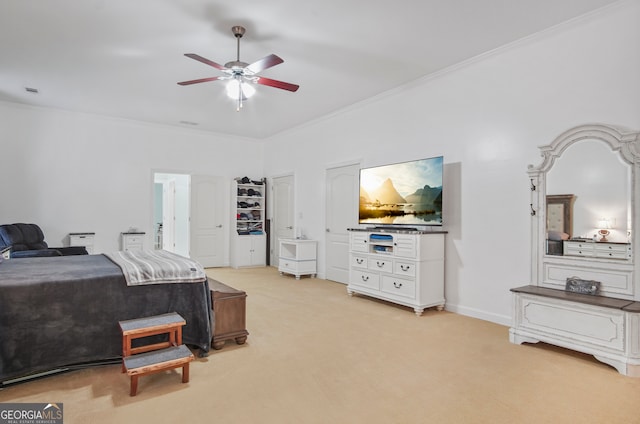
pixel 200 80
pixel 264 63
pixel 205 61
pixel 277 84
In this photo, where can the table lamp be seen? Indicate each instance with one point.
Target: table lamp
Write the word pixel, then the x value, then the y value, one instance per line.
pixel 604 224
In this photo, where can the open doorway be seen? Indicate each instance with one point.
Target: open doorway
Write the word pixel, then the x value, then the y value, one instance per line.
pixel 171 212
pixel 189 216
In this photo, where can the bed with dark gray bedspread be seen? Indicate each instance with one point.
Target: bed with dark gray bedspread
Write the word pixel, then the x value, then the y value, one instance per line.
pixel 64 312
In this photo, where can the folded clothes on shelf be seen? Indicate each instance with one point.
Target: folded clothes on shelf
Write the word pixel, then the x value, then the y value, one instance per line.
pixel 382 237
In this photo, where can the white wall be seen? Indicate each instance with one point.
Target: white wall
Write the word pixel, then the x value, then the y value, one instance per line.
pixel 72 172
pixel 487 118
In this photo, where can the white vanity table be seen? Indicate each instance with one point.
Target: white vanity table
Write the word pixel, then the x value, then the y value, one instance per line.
pixel 606 325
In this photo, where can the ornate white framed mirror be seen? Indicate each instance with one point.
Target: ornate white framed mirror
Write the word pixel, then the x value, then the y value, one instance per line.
pixel 584 185
pixel 600 182
pixel 585 294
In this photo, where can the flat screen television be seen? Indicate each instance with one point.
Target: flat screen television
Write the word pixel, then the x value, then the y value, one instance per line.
pixel 402 194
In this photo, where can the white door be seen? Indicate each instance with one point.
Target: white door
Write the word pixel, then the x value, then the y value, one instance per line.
pixel 206 243
pixel 341 213
pixel 283 219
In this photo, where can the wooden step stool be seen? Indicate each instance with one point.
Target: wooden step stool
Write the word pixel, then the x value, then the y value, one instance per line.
pixel 148 359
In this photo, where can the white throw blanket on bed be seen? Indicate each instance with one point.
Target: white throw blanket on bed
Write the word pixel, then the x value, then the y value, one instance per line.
pixel 156 267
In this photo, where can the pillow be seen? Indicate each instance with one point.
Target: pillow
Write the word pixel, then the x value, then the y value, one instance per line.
pixel 557 235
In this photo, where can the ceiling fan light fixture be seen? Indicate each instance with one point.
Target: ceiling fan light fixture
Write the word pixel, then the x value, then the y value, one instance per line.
pixel 241 75
pixel 237 89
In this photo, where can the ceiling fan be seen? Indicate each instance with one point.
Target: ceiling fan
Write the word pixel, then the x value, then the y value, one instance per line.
pixel 241 75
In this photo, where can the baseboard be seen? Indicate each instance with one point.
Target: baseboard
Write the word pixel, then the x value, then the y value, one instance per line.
pixel 480 314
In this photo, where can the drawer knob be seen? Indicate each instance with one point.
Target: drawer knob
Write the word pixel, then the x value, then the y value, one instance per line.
pixel 397 285
pixel 380 264
pixel 365 278
pixel 405 267
pixel 359 261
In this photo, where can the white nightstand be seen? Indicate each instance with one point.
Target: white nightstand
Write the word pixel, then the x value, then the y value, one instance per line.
pixel 82 239
pixel 297 257
pixel 132 241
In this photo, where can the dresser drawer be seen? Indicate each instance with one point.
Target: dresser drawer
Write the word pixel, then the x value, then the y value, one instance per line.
pixel 611 254
pixel 399 286
pixel 80 240
pixel 358 261
pixel 365 279
pixel 381 265
pixel 578 249
pixel 296 267
pixel 615 251
pixel 285 265
pixel 578 244
pixel 131 240
pixel 404 268
pixel 578 252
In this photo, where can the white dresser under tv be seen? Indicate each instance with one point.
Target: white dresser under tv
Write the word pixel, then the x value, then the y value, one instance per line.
pixel 405 267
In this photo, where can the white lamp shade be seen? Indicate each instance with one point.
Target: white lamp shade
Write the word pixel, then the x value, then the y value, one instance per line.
pixel 604 223
pixel 233 91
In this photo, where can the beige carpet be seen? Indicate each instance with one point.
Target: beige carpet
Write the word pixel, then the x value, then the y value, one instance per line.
pixel 316 355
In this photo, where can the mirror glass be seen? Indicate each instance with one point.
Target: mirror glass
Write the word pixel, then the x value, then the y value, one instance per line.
pixel 600 182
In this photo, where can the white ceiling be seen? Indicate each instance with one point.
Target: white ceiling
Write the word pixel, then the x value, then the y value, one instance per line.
pixel 123 58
